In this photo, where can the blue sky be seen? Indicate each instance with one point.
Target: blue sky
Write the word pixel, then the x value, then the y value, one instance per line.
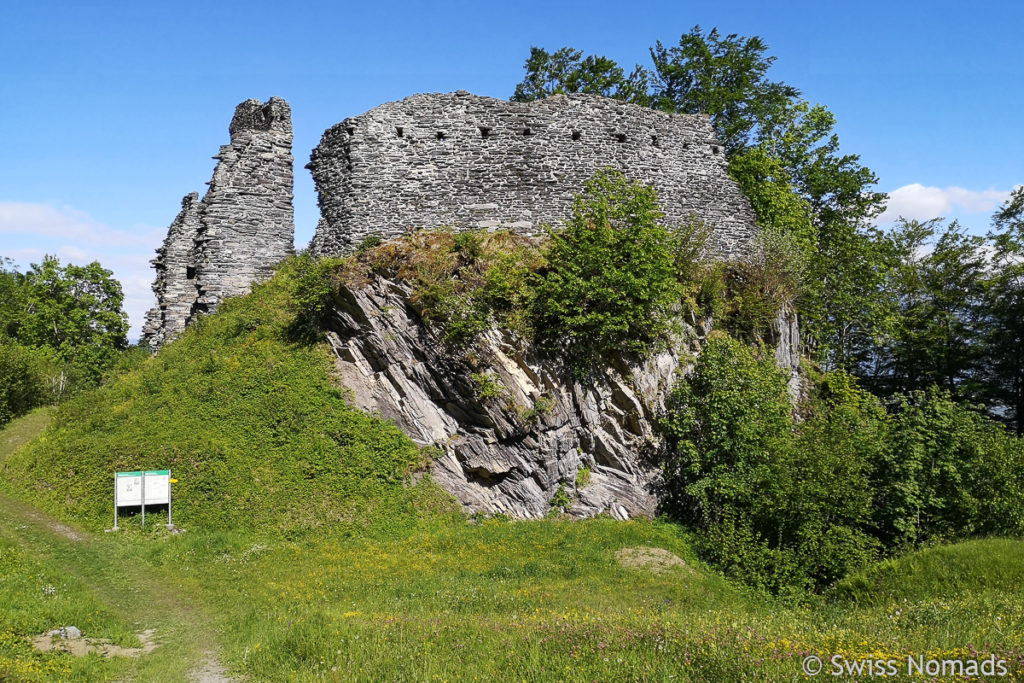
pixel 110 112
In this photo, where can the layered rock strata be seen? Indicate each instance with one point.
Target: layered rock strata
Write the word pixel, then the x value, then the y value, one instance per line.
pixel 243 226
pixel 466 161
pixel 512 429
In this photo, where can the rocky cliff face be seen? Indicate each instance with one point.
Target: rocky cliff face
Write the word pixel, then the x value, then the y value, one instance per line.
pixel 511 427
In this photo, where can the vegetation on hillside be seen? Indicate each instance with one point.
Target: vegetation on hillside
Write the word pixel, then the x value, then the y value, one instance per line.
pixel 251 424
pixel 61 328
pixel 920 304
pixel 787 505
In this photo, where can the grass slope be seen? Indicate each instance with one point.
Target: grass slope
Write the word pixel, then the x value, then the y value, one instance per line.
pixel 53 575
pixel 249 422
pixel 374 579
pixel 947 571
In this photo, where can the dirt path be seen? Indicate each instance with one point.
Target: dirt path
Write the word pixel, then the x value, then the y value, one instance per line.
pixel 186 642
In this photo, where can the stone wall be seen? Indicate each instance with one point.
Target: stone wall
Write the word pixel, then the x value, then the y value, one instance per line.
pixel 175 284
pixel 243 226
pixel 466 161
pixel 248 223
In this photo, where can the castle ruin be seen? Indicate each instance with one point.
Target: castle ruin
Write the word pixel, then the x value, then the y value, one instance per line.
pixel 243 226
pixel 466 161
pixel 432 160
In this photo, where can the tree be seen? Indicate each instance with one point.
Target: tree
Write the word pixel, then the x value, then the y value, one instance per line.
pixel 567 71
pixel 725 78
pixel 940 287
pixel 76 311
pixel 25 378
pixel 613 273
pixel 948 472
pixel 1005 306
pixel 12 297
pixel 778 504
pixel 777 145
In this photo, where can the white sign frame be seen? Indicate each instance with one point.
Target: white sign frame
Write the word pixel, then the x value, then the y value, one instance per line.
pixel 142 488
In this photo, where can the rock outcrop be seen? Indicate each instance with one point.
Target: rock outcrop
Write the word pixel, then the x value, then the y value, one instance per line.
pixel 511 427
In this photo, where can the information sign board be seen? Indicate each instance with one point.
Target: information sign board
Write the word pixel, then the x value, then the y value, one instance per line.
pixel 129 488
pixel 152 487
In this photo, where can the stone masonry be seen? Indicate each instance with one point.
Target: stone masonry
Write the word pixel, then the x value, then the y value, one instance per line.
pixel 175 284
pixel 243 226
pixel 467 161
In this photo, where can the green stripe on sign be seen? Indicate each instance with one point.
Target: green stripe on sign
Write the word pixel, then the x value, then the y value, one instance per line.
pixel 129 474
pixel 158 472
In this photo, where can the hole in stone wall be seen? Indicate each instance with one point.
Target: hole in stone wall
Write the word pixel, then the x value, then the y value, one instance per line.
pixel 621 137
pixel 575 135
pixel 714 149
pixel 686 145
pixel 440 135
pixel 351 131
pixel 527 131
pixel 654 140
pixel 484 131
pixel 190 272
pixel 400 131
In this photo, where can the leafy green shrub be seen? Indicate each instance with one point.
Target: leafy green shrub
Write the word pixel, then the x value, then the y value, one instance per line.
pixel 613 275
pixel 561 500
pixel 949 472
pixel 782 505
pixel 315 281
pixel 487 386
pixel 582 477
pixel 369 242
pixel 761 284
pixel 26 375
pixel 463 283
pixel 780 508
pixel 542 405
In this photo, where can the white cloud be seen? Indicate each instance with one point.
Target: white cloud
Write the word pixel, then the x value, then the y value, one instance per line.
pixel 69 224
pixel 30 231
pixel 920 202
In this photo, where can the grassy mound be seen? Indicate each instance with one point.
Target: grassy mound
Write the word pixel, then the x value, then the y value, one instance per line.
pixel 248 420
pixel 946 571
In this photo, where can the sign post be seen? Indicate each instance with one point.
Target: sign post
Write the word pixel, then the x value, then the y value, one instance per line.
pixel 151 487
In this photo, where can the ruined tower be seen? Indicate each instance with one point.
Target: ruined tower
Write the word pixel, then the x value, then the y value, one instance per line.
pixel 175 283
pixel 243 226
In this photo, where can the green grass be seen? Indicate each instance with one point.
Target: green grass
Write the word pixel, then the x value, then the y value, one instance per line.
pixel 249 421
pixel 309 555
pixel 947 571
pixel 39 596
pixel 22 430
pixel 547 600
